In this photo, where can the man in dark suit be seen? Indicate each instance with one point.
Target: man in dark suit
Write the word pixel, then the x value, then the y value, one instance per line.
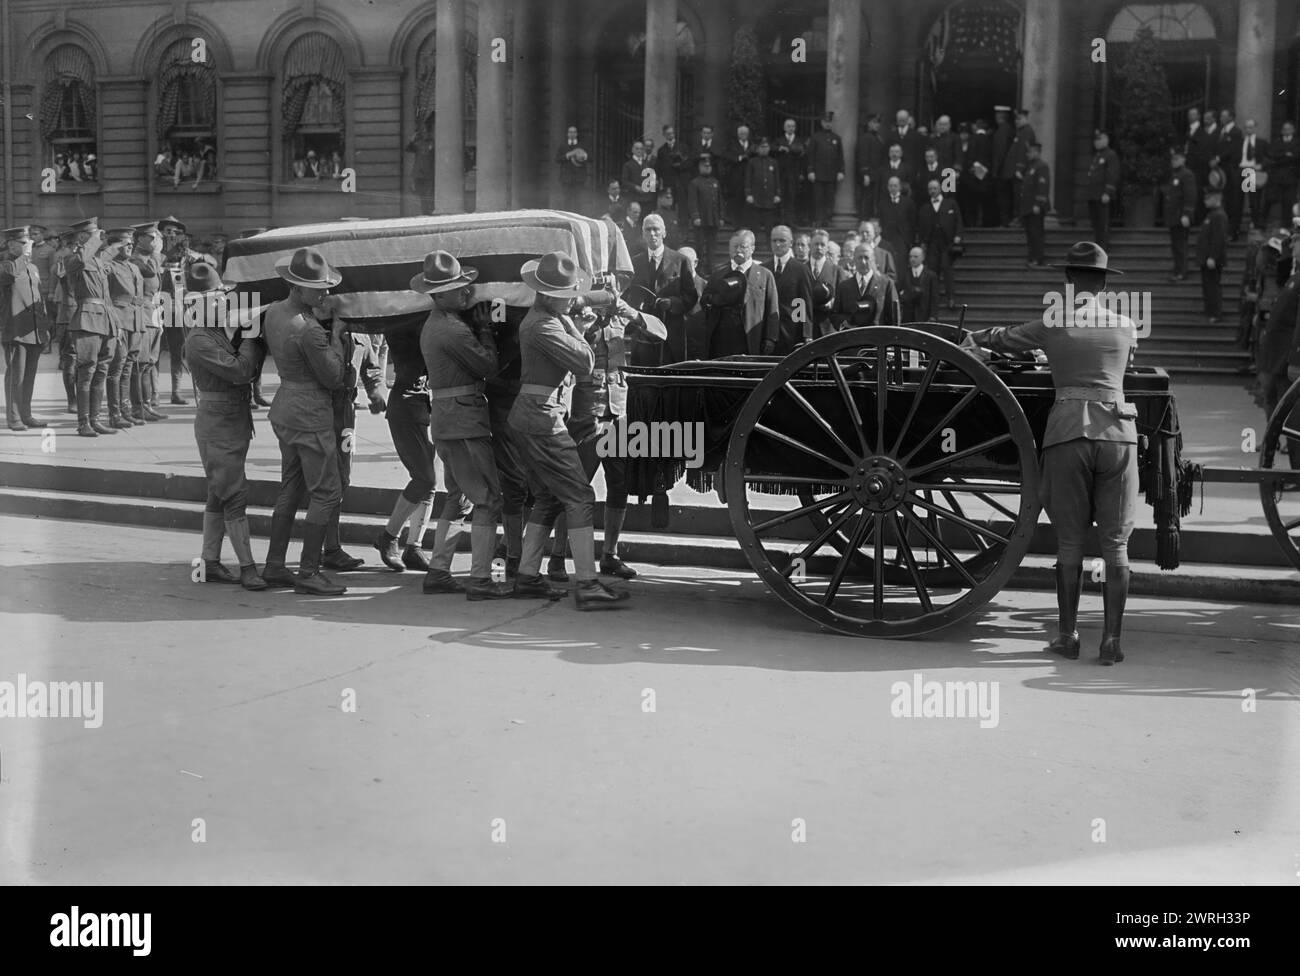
pixel 793 292
pixel 1013 167
pixel 897 217
pixel 705 145
pixel 918 289
pixel 1229 151
pixel 894 167
pixel 675 167
pixel 753 326
pixel 1283 167
pixel 761 187
pixel 614 205
pixel 866 297
pixel 1255 151
pixel 1212 253
pixel 1003 136
pixel 1178 198
pixel 1103 182
pixel 825 275
pixel 734 164
pixel 704 210
pixel 945 142
pixel 825 169
pixel 1196 147
pixel 1035 199
pixel 872 153
pixel 572 160
pixel 789 152
pixel 908 138
pixel 930 170
pixel 938 228
pixel 881 254
pixel 666 273
pixel 638 178
pixel 979 171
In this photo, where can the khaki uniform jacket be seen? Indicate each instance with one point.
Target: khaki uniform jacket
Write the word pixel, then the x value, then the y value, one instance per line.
pixel 88 276
pixel 455 357
pixel 311 367
pixel 22 309
pixel 126 287
pixel 218 368
pixel 1081 355
pixel 550 349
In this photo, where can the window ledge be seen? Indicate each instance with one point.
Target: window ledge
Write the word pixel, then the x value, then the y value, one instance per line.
pixel 330 185
pixel 72 189
pixel 187 188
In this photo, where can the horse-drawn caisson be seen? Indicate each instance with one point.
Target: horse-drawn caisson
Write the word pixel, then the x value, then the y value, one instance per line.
pixel 881 481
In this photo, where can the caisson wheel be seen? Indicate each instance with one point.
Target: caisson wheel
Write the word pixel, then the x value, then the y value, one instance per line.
pixel 1281 499
pixel 914 465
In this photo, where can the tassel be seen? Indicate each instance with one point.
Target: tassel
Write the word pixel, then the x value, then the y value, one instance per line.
pixel 1167 546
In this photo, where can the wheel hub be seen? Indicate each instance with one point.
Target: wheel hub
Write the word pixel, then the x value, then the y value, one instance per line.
pixel 879 484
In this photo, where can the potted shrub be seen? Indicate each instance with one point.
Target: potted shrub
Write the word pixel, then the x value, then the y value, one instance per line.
pixel 1144 133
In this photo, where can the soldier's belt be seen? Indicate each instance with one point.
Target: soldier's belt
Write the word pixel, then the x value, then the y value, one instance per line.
pixel 538 389
pixel 601 376
pixel 94 301
pixel 450 392
pixel 1089 393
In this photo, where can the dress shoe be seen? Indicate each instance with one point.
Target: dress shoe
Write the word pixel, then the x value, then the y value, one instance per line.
pixel 249 579
pixel 389 553
pixel 178 400
pixel 555 571
pixel 339 560
pixel 278 578
pixel 16 425
pixel 534 587
pixel 1066 645
pixel 613 566
pixel 214 572
pixel 151 414
pixel 485 589
pixel 99 428
pixel 441 581
pixel 120 423
pixel 33 422
pixel 1110 652
pixel 595 595
pixel 413 558
pixel 317 584
pixel 133 419
pixel 85 430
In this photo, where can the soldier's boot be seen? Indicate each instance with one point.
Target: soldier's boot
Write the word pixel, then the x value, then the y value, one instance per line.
pixel 610 563
pixel 386 542
pixel 136 413
pixel 69 371
pixel 149 394
pixel 96 399
pixel 83 414
pixel 334 557
pixel 113 394
pixel 12 395
pixel 529 583
pixel 1114 595
pixel 555 571
pixel 1069 586
pixel 241 540
pixel 512 526
pixel 214 532
pixel 275 575
pixel 310 579
pixel 177 399
pixel 445 542
pixel 482 546
pixel 412 556
pixel 590 593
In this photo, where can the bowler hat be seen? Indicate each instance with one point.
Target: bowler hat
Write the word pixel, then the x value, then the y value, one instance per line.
pixel 1086 256
pixel 441 272
pixel 202 277
pixel 821 292
pixel 555 274
pixel 725 291
pixel 307 268
pixel 170 221
pixel 640 298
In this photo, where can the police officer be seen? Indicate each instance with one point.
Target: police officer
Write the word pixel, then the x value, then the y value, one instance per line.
pixel 177 258
pixel 1090 445
pixel 222 358
pixel 1035 199
pixel 24 326
pixel 93 333
pixel 459 360
pixel 145 256
pixel 1103 182
pixel 126 289
pixel 309 356
pixel 552 347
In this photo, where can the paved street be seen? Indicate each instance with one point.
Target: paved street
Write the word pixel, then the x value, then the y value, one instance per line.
pixel 532 722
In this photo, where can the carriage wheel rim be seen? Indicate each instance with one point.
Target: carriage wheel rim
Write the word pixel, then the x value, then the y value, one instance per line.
pixel 872 513
pixel 1285 528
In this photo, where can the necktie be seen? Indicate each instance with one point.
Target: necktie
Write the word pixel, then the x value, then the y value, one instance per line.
pixel 780 266
pixel 572 144
pixel 893 199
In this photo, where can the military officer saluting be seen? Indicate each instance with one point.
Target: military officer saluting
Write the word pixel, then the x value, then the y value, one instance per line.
pixel 309 357
pixel 459 361
pixel 1090 445
pixel 144 255
pixel 126 289
pixel 24 326
pixel 222 361
pixel 93 332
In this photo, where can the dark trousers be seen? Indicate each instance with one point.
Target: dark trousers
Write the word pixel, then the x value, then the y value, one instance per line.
pixel 20 379
pixel 175 340
pixel 759 220
pixel 1233 199
pixel 1281 196
pixel 1099 217
pixel 940 261
pixel 1006 192
pixel 571 197
pixel 508 456
pixel 1211 292
pixel 415 451
pixel 308 466
pixel 823 201
pixel 1035 237
pixel 1255 204
pixel 94 352
pixel 67 362
pixel 704 243
pixel 1178 244
pixel 615 468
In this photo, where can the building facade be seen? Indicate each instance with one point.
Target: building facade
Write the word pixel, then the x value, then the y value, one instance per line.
pixel 237 113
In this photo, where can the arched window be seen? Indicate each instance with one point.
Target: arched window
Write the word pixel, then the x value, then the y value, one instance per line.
pixel 1189 54
pixel 312 109
pixel 1168 21
pixel 187 117
pixel 69 116
pixel 426 104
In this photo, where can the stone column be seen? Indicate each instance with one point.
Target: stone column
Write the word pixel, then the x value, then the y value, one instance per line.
pixel 525 168
pixel 492 179
pixel 660 67
pixel 1040 88
pixel 1256 24
pixel 843 41
pixel 449 108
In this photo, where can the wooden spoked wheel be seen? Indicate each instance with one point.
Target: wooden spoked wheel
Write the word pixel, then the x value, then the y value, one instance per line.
pixel 1282 506
pixel 917 477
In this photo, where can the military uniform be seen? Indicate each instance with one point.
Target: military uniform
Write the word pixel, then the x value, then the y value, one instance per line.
pixel 126 287
pixel 93 335
pixel 502 388
pixel 171 287
pixel 1178 199
pixel 64 303
pixel 1103 180
pixel 151 272
pixel 1035 191
pixel 24 329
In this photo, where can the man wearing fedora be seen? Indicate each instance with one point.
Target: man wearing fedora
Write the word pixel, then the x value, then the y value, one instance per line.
pixel 222 361
pixel 746 311
pixel 311 360
pixel 93 331
pixel 1090 445
pixel 459 359
pixel 552 348
pixel 24 326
